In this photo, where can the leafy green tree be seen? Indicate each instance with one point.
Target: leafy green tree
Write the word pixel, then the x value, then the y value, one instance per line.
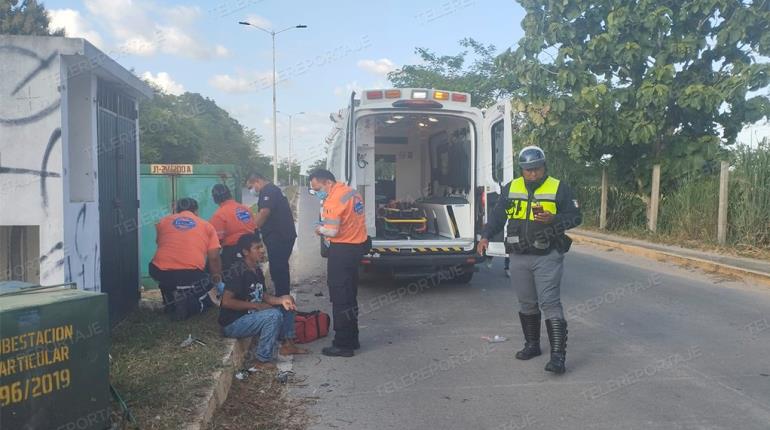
pixel 192 129
pixel 641 81
pixel 288 172
pixel 317 164
pixel 483 79
pixel 27 17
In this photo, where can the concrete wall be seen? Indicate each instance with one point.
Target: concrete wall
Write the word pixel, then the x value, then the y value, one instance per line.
pixel 81 188
pixel 46 122
pixel 31 169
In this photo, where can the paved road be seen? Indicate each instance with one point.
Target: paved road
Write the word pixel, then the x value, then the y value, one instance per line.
pixel 651 346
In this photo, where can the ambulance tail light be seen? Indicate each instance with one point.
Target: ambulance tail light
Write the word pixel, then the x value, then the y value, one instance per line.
pixel 457 97
pixel 393 94
pixel 419 94
pixel 374 95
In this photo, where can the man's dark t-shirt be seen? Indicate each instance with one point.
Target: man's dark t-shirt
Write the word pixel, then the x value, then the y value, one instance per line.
pixel 280 223
pixel 246 284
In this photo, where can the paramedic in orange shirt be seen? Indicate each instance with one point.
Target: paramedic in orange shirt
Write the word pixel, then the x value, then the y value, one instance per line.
pixel 231 221
pixel 185 242
pixel 343 225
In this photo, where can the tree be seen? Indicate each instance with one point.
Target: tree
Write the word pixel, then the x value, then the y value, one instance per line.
pixel 288 172
pixel 641 81
pixel 26 17
pixel 317 164
pixel 192 129
pixel 482 79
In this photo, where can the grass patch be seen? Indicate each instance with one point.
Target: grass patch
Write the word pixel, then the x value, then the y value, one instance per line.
pixel 261 402
pixel 163 383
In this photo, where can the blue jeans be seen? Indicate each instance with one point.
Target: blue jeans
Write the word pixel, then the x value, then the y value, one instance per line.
pixel 287 327
pixel 265 323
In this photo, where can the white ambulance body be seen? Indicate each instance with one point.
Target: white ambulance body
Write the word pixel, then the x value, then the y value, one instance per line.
pixel 426 149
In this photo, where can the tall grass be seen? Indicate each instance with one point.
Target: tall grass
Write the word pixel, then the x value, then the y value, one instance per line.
pixel 749 203
pixel 690 211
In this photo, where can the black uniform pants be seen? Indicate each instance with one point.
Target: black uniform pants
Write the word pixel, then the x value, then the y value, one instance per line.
pixel 228 256
pixel 342 277
pixel 168 280
pixel 278 253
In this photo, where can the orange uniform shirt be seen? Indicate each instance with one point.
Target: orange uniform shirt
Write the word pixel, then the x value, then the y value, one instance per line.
pixel 231 221
pixel 183 242
pixel 343 210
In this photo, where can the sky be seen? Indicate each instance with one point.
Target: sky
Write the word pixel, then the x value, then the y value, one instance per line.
pixel 198 46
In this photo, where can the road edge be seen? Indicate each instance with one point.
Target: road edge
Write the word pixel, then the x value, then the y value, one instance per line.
pixel 220 386
pixel 706 265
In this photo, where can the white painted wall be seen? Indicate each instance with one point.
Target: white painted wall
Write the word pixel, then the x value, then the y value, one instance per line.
pixel 81 187
pixel 30 142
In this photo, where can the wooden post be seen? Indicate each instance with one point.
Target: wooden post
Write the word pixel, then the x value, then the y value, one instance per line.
pixel 603 208
pixel 654 199
pixel 724 175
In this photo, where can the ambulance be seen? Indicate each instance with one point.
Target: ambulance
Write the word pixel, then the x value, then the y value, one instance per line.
pixel 429 167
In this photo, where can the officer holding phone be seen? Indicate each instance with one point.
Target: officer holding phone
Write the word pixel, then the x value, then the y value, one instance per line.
pixel 538 210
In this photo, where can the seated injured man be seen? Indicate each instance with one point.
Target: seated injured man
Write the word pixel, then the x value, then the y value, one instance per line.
pixel 247 310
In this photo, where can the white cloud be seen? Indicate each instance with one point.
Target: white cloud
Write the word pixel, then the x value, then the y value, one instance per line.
pixel 242 81
pixel 147 27
pixel 164 81
pixel 259 22
pixel 378 67
pixel 347 89
pixel 74 25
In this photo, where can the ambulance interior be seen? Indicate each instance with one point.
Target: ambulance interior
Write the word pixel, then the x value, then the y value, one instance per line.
pixel 416 168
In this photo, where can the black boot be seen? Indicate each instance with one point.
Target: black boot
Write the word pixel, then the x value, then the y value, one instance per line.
pixel 530 324
pixel 557 335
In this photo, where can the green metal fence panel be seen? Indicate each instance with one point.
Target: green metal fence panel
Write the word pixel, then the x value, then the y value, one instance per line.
pixel 162 184
pixel 157 201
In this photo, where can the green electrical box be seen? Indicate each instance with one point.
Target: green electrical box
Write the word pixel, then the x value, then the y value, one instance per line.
pixel 163 184
pixel 54 362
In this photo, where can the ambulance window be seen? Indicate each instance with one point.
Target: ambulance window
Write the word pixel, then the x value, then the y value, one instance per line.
pixel 498 151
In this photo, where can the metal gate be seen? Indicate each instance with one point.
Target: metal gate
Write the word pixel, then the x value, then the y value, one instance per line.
pixel 118 202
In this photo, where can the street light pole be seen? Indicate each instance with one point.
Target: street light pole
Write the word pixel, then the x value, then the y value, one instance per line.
pixel 291 141
pixel 275 110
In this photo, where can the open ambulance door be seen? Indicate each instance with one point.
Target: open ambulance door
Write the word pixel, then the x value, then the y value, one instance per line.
pixel 497 168
pixel 350 132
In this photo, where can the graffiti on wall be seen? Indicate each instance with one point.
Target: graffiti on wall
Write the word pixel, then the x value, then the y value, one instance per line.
pixel 31 171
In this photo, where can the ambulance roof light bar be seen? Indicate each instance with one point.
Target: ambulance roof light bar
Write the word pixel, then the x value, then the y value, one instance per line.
pixel 418 94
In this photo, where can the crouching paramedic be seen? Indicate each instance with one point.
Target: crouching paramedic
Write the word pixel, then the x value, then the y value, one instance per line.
pixel 538 210
pixel 231 221
pixel 185 242
pixel 343 225
pixel 247 310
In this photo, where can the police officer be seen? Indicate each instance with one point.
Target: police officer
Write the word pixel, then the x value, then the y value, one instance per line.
pixel 538 209
pixel 343 225
pixel 231 221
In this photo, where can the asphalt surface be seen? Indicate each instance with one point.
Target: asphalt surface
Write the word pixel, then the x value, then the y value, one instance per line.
pixel 651 346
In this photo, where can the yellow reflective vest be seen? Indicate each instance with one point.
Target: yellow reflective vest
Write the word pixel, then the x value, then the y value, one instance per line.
pixel 518 196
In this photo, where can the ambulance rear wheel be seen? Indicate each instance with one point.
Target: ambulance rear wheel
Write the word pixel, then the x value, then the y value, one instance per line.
pixel 466 276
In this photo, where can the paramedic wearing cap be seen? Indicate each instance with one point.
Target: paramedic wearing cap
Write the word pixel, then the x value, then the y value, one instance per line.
pixel 185 242
pixel 538 210
pixel 343 226
pixel 231 221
